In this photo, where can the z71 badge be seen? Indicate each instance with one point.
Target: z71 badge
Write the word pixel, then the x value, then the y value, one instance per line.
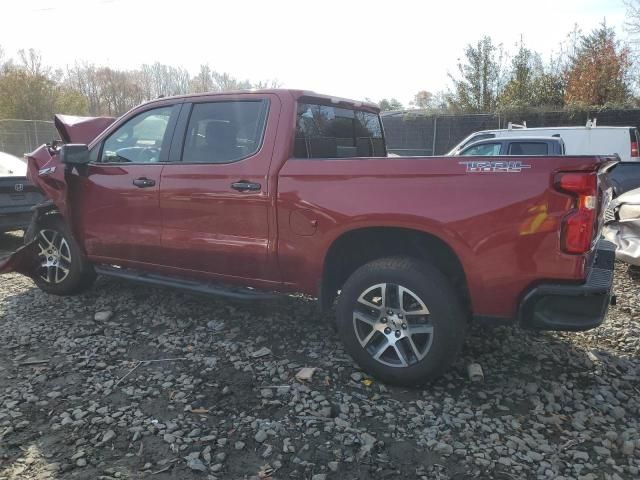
pixel 480 166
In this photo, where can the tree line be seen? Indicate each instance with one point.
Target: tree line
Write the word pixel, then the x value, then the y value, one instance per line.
pixel 591 70
pixel 30 89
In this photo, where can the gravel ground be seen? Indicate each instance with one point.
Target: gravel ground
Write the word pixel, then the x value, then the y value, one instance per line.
pixel 133 382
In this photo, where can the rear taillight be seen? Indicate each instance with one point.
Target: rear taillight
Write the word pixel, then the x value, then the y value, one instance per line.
pixel 579 225
pixel 634 149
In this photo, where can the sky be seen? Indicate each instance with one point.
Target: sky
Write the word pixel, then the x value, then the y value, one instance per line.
pixel 349 48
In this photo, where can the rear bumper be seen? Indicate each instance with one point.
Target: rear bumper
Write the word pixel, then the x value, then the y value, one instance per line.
pixel 569 307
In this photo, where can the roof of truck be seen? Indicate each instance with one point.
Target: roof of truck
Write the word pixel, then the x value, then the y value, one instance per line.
pixel 296 94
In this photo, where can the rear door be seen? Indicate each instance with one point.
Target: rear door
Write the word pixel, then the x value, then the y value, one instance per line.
pixel 119 218
pixel 214 192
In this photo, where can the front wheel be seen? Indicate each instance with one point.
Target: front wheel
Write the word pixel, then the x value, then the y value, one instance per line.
pixel 401 320
pixel 61 268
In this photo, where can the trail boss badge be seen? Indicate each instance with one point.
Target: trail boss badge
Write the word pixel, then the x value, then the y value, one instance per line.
pixel 480 166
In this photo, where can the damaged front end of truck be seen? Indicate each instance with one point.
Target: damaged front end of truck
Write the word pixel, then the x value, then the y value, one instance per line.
pixel 52 177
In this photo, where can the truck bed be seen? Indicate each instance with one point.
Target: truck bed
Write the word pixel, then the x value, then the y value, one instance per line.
pixel 502 225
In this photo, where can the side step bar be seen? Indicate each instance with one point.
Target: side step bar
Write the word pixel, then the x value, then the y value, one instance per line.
pixel 205 288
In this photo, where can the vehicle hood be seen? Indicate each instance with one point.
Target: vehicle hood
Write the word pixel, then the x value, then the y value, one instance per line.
pixel 80 129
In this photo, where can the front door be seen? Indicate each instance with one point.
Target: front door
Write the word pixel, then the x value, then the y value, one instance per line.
pixel 119 218
pixel 214 192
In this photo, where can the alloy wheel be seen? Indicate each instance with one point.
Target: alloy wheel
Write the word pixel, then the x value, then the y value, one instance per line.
pixel 54 256
pixel 392 324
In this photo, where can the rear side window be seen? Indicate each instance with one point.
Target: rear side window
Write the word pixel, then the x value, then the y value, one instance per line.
pixel 528 148
pixel 224 132
pixel 330 132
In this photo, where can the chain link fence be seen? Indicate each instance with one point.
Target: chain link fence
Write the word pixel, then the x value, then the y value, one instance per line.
pixel 413 133
pixel 407 133
pixel 18 137
pixel 419 133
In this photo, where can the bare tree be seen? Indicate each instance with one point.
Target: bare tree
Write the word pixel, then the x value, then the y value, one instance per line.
pixel 202 82
pixel 632 23
pixel 32 62
pixel 266 84
pixel 83 78
pixel 224 81
pixel 119 92
pixel 162 80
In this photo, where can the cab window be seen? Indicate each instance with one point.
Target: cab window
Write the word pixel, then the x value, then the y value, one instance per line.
pixel 225 132
pixel 138 140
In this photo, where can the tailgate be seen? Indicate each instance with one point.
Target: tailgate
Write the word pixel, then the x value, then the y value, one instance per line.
pixel 17 194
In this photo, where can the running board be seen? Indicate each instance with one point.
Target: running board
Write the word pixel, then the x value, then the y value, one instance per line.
pixel 205 288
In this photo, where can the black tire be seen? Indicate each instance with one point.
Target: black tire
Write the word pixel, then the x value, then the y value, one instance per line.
pixel 425 356
pixel 56 244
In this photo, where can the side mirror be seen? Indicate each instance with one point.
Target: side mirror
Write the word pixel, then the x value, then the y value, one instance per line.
pixel 74 154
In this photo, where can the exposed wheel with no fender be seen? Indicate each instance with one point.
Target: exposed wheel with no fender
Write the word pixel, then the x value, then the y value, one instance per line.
pixel 401 320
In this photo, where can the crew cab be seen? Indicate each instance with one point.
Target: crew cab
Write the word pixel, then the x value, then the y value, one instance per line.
pixel 531 146
pixel 254 193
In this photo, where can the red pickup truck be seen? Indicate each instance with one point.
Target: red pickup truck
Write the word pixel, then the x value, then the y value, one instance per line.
pixel 249 193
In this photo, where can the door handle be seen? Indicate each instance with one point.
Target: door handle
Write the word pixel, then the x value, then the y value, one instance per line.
pixel 144 182
pixel 244 186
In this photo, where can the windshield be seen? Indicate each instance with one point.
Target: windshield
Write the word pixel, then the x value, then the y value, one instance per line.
pixel 485 149
pixel 474 137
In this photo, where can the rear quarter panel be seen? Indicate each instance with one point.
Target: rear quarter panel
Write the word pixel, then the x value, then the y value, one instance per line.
pixel 504 227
